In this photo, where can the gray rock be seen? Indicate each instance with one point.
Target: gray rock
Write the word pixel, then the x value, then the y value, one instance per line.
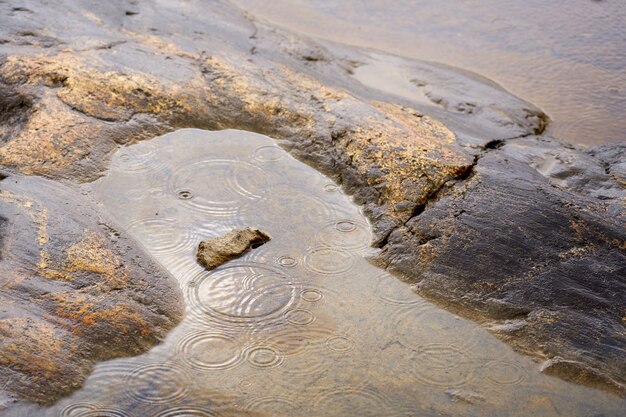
pixel 532 246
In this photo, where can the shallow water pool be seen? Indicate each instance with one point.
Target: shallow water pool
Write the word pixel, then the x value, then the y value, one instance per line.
pixel 303 325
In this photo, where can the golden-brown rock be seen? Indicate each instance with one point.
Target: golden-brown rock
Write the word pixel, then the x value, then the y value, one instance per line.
pixel 214 252
pixel 74 290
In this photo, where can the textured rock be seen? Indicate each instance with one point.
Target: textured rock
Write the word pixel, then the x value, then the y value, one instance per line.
pixel 524 234
pixel 533 253
pixel 110 79
pixel 74 290
pixel 214 252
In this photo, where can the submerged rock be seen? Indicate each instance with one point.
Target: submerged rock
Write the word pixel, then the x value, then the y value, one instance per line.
pixel 463 395
pixel 581 373
pixel 75 290
pixel 214 252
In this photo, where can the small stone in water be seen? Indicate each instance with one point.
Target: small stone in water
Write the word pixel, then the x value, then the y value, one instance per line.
pixel 214 252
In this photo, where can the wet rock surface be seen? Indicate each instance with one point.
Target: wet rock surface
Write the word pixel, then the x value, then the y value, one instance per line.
pixel 214 252
pixel 142 75
pixel 75 290
pixel 526 245
pixel 521 233
pixel 303 325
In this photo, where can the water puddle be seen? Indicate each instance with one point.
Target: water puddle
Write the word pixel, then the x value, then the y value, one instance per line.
pixel 303 325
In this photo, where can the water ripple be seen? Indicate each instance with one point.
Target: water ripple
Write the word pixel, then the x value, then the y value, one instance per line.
pixel 331 187
pixel 272 406
pixel 305 365
pixel 501 372
pixel 311 295
pixel 346 234
pixel 278 213
pixel 340 344
pixel 327 260
pixel 156 383
pixel 103 412
pixel 421 324
pixel 299 317
pixel 164 236
pixel 293 339
pixel 210 350
pixel 264 356
pixel 239 182
pixel 353 401
pixel 243 293
pixel 389 289
pixel 76 409
pixel 269 154
pixel 287 261
pixel 140 159
pixel 441 365
pixel 186 411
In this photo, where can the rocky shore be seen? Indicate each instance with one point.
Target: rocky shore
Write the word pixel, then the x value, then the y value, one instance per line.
pixel 518 231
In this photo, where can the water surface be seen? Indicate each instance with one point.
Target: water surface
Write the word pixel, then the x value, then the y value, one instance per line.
pixel 303 325
pixel 566 56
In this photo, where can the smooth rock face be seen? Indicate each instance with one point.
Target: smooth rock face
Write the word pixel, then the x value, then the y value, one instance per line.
pixel 214 252
pixel 521 233
pixel 74 290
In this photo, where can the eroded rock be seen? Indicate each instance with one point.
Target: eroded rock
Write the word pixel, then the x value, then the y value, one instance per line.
pixel 526 245
pixel 214 252
pixel 524 235
pixel 75 290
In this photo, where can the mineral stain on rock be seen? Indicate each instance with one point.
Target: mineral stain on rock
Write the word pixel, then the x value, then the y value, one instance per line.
pixel 73 290
pixel 521 233
pixel 214 252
